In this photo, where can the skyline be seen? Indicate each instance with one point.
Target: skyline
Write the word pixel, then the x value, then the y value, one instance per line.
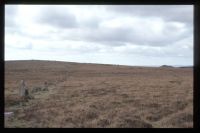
pixel 123 35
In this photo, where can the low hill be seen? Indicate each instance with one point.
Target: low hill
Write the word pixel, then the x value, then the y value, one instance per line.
pixel 166 66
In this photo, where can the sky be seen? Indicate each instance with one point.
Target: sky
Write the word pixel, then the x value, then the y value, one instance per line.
pixel 136 35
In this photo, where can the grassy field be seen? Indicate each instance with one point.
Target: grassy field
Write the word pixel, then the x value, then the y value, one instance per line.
pixel 93 95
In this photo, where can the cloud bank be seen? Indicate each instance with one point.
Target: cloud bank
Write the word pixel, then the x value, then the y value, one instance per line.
pixel 110 34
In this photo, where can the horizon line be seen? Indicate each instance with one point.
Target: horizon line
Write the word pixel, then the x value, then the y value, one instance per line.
pixel 102 63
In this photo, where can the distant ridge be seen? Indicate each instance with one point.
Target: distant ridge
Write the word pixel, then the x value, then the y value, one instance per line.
pixel 186 67
pixel 166 66
pixel 57 61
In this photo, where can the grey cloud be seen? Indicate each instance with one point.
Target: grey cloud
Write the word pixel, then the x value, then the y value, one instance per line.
pixel 58 18
pixel 181 13
pixel 97 34
pixel 10 9
pixel 10 14
pixel 109 35
pixel 89 30
pixel 102 36
pixel 91 23
pixel 122 35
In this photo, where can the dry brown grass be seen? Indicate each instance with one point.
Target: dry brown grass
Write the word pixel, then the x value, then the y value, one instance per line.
pixel 90 95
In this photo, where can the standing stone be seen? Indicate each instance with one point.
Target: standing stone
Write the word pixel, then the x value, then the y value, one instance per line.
pixel 22 89
pixel 24 93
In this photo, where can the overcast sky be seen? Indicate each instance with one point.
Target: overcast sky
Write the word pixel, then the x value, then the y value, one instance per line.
pixel 115 34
